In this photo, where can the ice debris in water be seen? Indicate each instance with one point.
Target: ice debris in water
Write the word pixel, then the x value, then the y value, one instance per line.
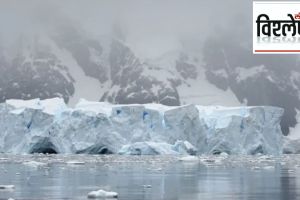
pixel 50 127
pixel 34 164
pixel 7 187
pixel 269 167
pixel 189 159
pixel 102 194
pixel 75 162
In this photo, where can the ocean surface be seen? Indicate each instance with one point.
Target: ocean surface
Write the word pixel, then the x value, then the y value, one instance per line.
pixel 63 177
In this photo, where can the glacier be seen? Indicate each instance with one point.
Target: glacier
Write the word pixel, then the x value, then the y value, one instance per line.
pixel 50 126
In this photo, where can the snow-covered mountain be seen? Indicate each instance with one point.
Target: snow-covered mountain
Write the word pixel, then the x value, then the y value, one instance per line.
pixel 71 64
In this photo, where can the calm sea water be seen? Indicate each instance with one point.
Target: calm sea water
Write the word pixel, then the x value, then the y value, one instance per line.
pixel 150 178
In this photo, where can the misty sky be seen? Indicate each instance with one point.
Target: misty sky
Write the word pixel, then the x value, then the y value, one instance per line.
pixel 152 27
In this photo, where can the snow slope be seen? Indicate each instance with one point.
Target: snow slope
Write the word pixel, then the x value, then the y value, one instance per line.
pixel 85 86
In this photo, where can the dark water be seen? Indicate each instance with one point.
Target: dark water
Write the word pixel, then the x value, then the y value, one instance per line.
pixel 54 177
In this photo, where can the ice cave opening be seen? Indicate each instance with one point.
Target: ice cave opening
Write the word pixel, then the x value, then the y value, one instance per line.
pixel 44 146
pixel 96 149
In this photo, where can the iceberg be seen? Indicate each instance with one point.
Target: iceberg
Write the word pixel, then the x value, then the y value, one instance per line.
pixel 102 194
pixel 50 126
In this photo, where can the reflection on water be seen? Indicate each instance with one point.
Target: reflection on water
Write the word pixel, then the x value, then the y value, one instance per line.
pixel 56 177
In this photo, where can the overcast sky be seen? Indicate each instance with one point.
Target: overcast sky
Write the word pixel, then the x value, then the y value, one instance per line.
pixel 152 27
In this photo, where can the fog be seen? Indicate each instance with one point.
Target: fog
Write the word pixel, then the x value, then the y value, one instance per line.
pixel 218 33
pixel 151 28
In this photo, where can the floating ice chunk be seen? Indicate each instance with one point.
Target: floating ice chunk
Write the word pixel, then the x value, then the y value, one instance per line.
pixel 34 164
pixel 255 168
pixel 269 167
pixel 102 194
pixel 189 159
pixel 212 160
pixel 75 162
pixel 7 187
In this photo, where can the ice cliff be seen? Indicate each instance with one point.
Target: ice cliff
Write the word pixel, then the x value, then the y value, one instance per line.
pixel 49 126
